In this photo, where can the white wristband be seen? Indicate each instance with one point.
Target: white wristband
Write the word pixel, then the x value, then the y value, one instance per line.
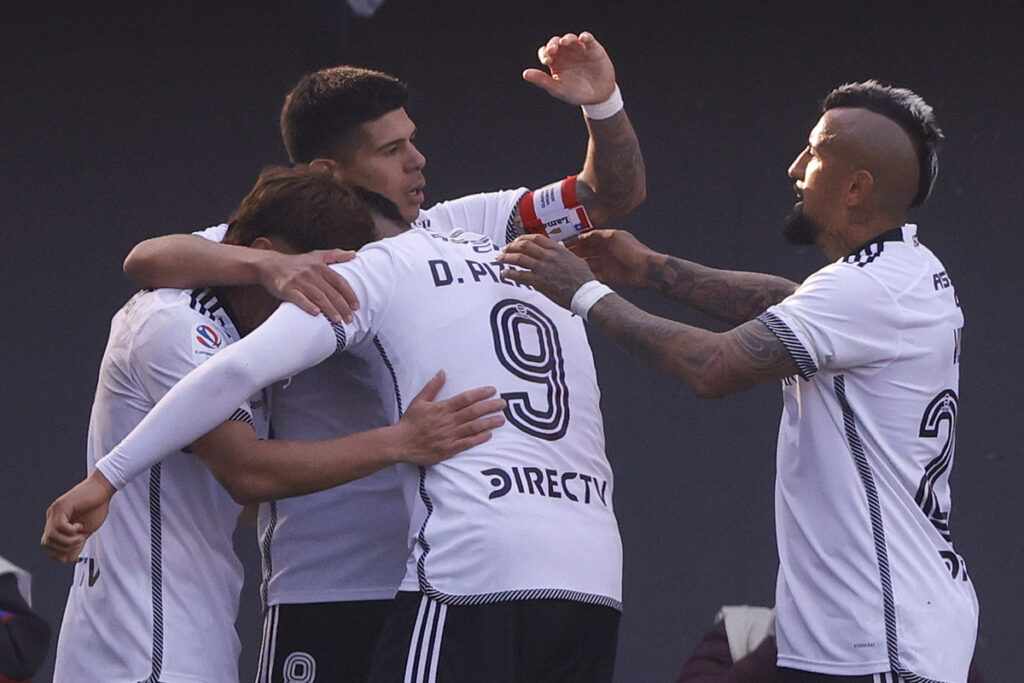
pixel 587 295
pixel 606 109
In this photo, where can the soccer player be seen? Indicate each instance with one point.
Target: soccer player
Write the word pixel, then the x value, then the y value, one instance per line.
pixel 868 351
pixel 334 560
pixel 515 572
pixel 155 592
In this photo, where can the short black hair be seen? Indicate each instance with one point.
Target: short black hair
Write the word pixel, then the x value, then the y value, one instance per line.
pixel 305 207
pixel 327 105
pixel 907 109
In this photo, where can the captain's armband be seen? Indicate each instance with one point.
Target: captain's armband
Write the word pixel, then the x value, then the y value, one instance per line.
pixel 554 210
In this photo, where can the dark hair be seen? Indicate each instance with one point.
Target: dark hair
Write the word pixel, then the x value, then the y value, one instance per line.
pixel 907 109
pixel 326 105
pixel 379 203
pixel 307 208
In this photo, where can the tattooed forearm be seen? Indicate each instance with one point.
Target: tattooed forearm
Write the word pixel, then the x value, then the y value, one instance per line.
pixel 614 178
pixel 709 364
pixel 756 347
pixel 732 296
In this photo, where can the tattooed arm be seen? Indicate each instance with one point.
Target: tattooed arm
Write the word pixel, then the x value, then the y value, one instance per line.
pixel 613 179
pixel 708 363
pixel 616 257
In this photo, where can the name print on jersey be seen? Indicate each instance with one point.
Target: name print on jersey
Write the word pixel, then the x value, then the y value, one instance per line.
pixel 533 481
pixel 478 271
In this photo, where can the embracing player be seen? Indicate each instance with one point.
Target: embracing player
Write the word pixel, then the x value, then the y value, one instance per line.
pixel 334 560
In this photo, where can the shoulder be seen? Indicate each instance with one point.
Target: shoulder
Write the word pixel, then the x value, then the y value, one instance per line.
pixel 481 206
pixel 169 322
pixel 896 260
pixel 840 284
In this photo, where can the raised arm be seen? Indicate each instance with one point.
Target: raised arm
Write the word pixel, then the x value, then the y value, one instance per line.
pixel 710 364
pixel 617 257
pixel 185 261
pixel 613 180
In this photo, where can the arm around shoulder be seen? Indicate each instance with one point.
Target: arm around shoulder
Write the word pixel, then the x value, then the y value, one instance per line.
pixel 184 261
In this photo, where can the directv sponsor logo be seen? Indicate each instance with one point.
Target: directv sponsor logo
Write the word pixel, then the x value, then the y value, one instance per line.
pixel 533 481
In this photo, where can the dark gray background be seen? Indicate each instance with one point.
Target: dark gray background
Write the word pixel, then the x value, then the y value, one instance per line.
pixel 126 121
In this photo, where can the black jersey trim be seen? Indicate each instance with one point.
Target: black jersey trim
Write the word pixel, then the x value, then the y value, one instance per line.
pixel 877 531
pixel 266 543
pixel 340 337
pixel 871 250
pixel 804 363
pixel 391 371
pixel 156 564
pixel 241 415
pixel 523 594
pixel 512 226
pixel 204 301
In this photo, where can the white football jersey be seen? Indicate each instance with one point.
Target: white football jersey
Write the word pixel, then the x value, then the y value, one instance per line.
pixel 155 591
pixel 529 513
pixel 869 580
pixel 350 542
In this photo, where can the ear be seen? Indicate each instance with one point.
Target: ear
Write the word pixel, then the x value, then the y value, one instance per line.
pixel 274 243
pixel 861 185
pixel 329 166
pixel 263 243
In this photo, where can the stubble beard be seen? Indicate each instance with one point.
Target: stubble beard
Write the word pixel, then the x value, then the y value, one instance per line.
pixel 800 229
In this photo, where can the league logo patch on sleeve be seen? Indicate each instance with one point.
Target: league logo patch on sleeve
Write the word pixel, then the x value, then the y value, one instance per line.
pixel 206 341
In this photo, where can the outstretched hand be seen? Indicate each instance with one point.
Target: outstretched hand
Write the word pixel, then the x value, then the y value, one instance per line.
pixel 437 430
pixel 549 267
pixel 73 517
pixel 306 281
pixel 581 72
pixel 614 256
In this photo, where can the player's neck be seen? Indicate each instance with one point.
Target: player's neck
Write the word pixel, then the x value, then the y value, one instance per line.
pixel 248 306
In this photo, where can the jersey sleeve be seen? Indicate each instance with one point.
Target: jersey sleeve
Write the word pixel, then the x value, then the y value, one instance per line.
pixel 168 347
pixel 371 274
pixel 214 233
pixel 488 213
pixel 288 342
pixel 839 318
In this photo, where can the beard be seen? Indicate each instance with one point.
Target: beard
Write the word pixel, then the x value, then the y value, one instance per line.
pixel 800 229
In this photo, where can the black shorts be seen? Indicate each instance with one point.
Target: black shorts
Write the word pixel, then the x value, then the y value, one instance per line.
pixel 504 642
pixel 320 641
pixel 794 676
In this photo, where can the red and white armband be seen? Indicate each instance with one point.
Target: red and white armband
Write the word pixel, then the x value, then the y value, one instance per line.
pixel 554 210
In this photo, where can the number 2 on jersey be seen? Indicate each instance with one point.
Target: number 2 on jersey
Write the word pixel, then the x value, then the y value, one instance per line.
pixel 941 409
pixel 526 343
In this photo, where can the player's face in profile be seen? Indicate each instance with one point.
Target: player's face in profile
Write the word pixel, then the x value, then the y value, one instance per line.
pixel 386 161
pixel 819 177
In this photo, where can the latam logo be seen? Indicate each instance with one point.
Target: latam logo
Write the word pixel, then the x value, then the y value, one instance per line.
pixel 208 337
